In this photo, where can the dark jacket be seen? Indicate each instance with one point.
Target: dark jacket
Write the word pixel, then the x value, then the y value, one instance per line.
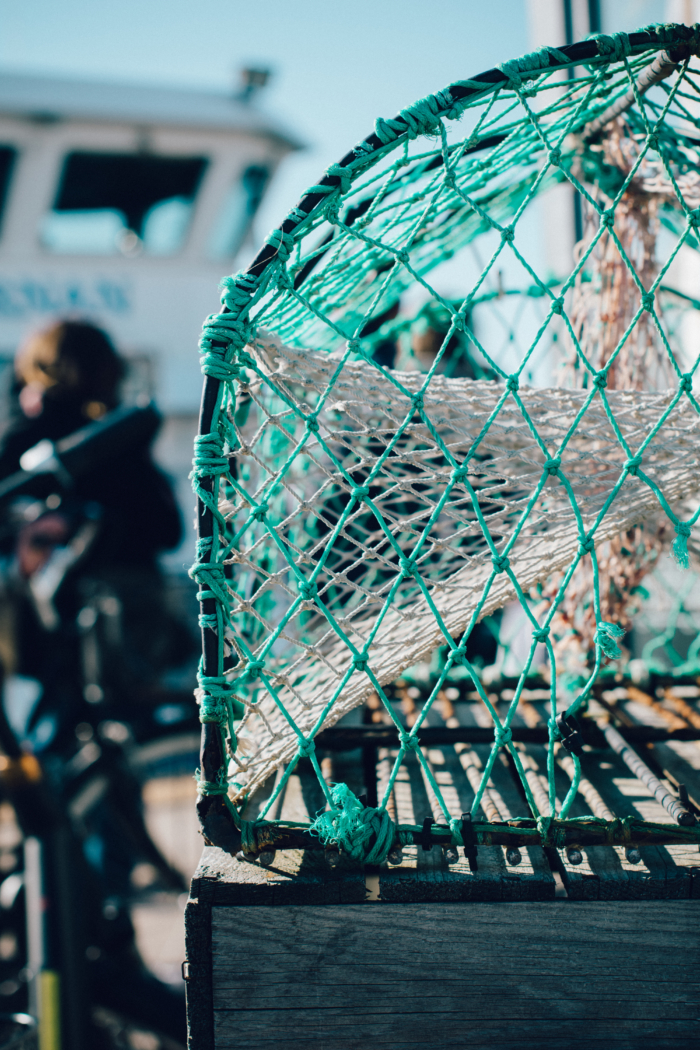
pixel 140 517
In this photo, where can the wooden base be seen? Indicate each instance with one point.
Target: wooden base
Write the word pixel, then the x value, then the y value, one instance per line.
pixel 547 953
pixel 480 974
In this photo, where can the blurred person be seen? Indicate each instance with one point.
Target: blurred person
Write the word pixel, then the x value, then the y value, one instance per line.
pixel 70 678
pixel 65 377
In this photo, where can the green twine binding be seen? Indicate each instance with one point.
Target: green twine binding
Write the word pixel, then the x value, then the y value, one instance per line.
pixel 680 544
pixel 531 65
pixel 606 636
pixel 364 833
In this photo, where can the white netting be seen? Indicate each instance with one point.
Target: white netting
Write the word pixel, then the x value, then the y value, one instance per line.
pixel 531 470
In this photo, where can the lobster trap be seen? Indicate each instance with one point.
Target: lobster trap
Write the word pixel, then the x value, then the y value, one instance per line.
pixel 410 424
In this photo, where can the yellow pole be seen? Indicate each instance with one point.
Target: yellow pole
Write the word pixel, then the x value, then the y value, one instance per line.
pixel 49 1010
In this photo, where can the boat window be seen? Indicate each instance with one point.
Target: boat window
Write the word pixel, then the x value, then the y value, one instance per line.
pixel 122 202
pixel 238 212
pixel 8 155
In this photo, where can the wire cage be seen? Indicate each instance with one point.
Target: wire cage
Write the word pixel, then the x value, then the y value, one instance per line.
pixel 422 449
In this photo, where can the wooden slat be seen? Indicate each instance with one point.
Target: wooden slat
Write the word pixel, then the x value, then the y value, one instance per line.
pixel 605 874
pixel 475 974
pixel 424 875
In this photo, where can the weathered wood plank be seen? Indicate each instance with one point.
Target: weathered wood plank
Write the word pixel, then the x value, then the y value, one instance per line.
pixel 473 974
pixel 199 986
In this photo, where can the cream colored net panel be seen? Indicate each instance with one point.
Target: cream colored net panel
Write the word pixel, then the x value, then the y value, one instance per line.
pixel 543 466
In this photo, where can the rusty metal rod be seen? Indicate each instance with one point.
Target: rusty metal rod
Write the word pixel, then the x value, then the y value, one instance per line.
pixel 522 831
pixel 347 738
pixel 635 764
pixel 662 67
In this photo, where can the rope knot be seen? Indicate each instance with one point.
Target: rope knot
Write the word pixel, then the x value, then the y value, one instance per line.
pixel 606 637
pixel 500 562
pixel 608 217
pixel 450 179
pixel 306 747
pixel 282 243
pixel 237 291
pixel 344 176
pixel 533 63
pixel 208 787
pixel 312 424
pixel 458 655
pixel 614 47
pixel 308 590
pixel 513 383
pixel 694 218
pixel 541 634
pixel 331 208
pixel 508 234
pixel 460 473
pixel 680 544
pixel 212 583
pixel 360 662
pixel 686 383
pixel 633 464
pixel 364 833
pixel 422 118
pixel 258 513
pixel 211 708
pixel 557 305
pixel 254 668
pixel 209 459
pixel 214 365
pixel 502 735
pixel 653 142
pixel 409 742
pixel 249 839
pixel 555 157
pixel 456 829
pixel 586 546
pixel 551 466
pixel 548 836
pixel 361 491
pixel 600 380
pixel 417 400
pixel 648 301
pixel 408 568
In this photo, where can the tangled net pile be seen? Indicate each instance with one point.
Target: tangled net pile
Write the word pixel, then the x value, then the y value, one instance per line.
pixel 374 477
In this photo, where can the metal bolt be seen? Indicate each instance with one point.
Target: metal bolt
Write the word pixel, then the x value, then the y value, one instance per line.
pixel 513 857
pixel 395 856
pixel 632 854
pixel 574 855
pixel 451 855
pixel 267 858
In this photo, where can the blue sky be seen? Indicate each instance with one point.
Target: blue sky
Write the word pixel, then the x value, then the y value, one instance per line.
pixel 336 65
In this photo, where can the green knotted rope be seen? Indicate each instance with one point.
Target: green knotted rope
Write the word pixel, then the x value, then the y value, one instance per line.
pixel 364 833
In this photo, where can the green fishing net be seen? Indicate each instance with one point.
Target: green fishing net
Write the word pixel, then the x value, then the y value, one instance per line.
pixel 415 416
